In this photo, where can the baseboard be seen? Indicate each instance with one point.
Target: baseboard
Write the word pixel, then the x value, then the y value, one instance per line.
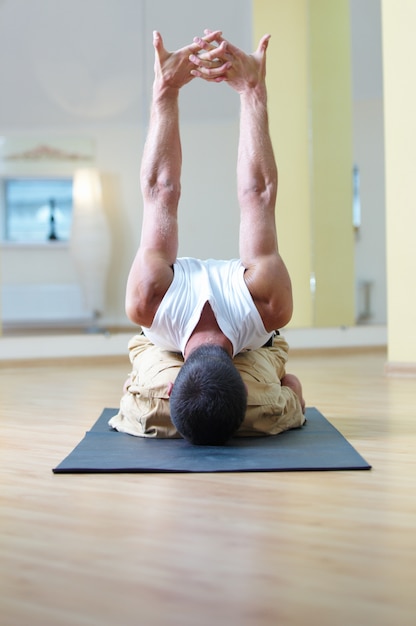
pixel 337 337
pixel 400 370
pixel 115 344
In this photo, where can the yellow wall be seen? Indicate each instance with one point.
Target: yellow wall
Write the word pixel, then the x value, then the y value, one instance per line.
pixel 287 79
pixel 399 54
pixel 331 118
pixel 309 82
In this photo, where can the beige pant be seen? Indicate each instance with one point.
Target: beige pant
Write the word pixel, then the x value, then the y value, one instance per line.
pixel 144 408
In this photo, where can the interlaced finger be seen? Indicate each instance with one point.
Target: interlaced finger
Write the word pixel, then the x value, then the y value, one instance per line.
pixel 209 67
pixel 206 43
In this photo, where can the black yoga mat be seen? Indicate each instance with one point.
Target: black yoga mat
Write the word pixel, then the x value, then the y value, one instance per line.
pixel 315 446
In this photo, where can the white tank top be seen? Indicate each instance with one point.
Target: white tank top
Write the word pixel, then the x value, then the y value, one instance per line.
pixel 222 284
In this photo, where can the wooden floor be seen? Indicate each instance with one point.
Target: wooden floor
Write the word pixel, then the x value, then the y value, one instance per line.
pixel 327 548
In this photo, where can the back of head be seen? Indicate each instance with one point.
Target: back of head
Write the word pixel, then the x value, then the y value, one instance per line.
pixel 208 399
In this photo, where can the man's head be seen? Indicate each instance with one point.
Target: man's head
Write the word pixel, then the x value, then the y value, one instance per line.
pixel 208 399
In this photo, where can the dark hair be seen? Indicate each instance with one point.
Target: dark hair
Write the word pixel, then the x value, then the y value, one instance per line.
pixel 209 399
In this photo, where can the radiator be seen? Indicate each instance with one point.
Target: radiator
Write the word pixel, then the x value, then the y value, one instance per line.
pixel 42 304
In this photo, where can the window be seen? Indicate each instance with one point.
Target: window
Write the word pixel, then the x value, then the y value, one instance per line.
pixel 36 210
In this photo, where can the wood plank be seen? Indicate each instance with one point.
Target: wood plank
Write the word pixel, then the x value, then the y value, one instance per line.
pixel 244 549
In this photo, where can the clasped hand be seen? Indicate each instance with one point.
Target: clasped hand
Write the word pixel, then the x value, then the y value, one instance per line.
pixel 211 58
pixel 218 60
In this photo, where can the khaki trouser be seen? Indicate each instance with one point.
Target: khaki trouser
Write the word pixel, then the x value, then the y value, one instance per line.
pixel 144 408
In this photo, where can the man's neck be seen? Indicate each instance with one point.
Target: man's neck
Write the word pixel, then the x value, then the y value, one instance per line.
pixel 207 331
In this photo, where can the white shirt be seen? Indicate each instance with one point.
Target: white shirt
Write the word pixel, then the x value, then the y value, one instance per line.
pixel 222 284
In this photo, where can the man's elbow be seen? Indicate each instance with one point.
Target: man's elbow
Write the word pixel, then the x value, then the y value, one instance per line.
pixel 284 312
pixel 133 311
pixel 162 189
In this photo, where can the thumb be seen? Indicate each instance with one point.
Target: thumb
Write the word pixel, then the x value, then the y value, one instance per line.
pixel 263 43
pixel 158 43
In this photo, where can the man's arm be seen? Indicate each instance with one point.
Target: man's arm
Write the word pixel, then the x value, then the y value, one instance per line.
pixel 266 275
pixel 151 272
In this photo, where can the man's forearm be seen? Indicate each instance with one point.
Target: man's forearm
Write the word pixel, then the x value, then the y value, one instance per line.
pixel 162 156
pixel 256 168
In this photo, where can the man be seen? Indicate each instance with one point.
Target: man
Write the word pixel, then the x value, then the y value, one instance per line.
pixel 210 311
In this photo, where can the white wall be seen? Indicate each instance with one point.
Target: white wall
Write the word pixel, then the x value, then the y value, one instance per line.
pixel 85 69
pixel 368 148
pixel 370 247
pixel 208 210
